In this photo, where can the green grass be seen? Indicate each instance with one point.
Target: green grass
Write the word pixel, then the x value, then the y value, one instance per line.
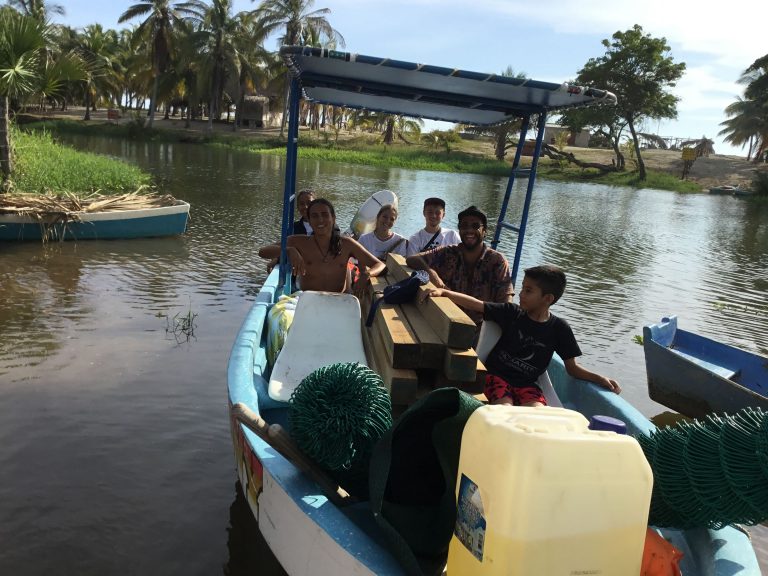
pixel 415 159
pixel 653 179
pixel 363 149
pixel 42 165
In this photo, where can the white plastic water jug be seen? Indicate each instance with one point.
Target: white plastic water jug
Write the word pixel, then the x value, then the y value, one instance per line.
pixel 539 494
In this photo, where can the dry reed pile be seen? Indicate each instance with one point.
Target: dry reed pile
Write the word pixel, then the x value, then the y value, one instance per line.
pixel 47 207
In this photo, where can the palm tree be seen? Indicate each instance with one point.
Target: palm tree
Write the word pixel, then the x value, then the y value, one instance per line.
pixel 256 66
pixel 162 17
pixel 747 122
pixel 98 49
pixel 297 18
pixel 25 70
pixel 134 77
pixel 37 9
pixel 225 36
pixel 501 133
pixel 747 125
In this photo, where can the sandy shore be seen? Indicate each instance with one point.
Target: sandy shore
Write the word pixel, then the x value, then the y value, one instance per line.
pixel 714 170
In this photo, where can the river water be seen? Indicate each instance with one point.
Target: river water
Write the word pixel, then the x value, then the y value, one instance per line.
pixel 115 454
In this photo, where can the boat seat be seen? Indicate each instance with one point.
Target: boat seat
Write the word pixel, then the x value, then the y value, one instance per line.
pixel 325 330
pixel 722 371
pixel 490 332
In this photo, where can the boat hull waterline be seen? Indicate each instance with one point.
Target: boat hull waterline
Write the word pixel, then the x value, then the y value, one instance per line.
pixel 111 225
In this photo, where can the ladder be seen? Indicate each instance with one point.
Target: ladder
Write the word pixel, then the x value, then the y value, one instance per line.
pixel 530 173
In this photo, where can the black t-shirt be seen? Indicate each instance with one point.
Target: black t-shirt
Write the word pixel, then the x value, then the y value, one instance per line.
pixel 525 348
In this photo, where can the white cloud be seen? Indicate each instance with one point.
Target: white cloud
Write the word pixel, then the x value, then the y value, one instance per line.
pixel 702 89
pixel 732 34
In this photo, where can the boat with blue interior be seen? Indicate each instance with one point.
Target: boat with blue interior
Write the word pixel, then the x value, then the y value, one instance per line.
pixel 696 375
pixel 309 524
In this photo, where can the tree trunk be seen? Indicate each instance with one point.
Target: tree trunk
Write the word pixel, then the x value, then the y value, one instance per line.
pixel 500 147
pixel 552 152
pixel 6 161
pixel 87 103
pixel 389 132
pixel 153 101
pixel 636 143
pixel 620 161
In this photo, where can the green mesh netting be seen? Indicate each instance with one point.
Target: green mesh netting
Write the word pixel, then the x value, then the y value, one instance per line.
pixel 336 415
pixel 710 472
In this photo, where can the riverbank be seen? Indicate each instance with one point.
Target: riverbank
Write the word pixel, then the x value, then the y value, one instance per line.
pixel 664 166
pixel 43 166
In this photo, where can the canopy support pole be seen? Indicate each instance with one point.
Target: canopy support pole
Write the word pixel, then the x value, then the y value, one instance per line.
pixel 289 195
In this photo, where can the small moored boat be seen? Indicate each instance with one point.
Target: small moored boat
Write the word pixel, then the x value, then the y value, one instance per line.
pixel 697 376
pixel 726 189
pixel 20 224
pixel 308 532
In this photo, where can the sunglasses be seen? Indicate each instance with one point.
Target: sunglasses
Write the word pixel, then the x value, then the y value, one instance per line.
pixel 470 226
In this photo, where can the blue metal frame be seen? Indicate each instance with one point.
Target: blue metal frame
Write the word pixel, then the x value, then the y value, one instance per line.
pixel 501 223
pixel 289 195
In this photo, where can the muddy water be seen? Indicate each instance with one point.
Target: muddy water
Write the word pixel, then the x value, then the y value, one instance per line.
pixel 116 455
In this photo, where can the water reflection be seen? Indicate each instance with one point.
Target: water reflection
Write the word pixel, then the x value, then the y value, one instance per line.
pixel 249 553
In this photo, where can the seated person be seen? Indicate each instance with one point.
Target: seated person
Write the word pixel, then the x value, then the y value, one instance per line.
pixel 530 334
pixel 300 226
pixel 319 260
pixel 382 240
pixel 432 235
pixel 303 199
pixel 469 267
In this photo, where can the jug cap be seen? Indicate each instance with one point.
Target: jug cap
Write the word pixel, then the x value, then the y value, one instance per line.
pixel 599 422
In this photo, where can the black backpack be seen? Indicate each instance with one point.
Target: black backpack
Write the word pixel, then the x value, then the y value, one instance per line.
pixel 403 291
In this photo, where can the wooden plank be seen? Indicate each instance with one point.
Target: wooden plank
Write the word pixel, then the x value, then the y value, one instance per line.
pixel 378 283
pixel 460 365
pixel 474 387
pixel 431 347
pixel 400 383
pixel 397 337
pixel 448 321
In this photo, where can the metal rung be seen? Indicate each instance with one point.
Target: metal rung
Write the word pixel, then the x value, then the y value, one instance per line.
pixel 509 226
pixel 522 172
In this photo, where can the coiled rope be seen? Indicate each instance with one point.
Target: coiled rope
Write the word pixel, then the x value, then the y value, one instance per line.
pixel 338 413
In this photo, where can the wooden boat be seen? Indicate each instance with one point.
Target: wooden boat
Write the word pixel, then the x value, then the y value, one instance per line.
pixel 697 376
pixel 108 225
pixel 726 189
pixel 297 515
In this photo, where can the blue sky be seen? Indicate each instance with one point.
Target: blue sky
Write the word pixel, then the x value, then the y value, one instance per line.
pixel 546 39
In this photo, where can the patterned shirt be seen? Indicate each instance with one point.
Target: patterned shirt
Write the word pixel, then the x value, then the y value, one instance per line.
pixel 488 280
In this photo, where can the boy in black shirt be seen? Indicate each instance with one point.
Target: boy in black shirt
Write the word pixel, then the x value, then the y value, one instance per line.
pixel 530 335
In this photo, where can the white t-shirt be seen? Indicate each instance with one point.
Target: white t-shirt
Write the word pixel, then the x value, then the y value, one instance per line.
pixel 420 241
pixel 380 248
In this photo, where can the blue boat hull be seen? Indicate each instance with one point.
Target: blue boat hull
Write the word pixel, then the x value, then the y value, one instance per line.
pixel 697 376
pixel 122 224
pixel 309 535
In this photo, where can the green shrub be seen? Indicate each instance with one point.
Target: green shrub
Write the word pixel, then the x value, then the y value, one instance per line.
pixel 43 165
pixel 760 183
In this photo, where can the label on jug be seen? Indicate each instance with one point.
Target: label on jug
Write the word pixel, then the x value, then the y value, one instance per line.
pixel 470 518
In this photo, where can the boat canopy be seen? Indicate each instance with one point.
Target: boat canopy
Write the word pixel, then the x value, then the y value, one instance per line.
pixel 424 91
